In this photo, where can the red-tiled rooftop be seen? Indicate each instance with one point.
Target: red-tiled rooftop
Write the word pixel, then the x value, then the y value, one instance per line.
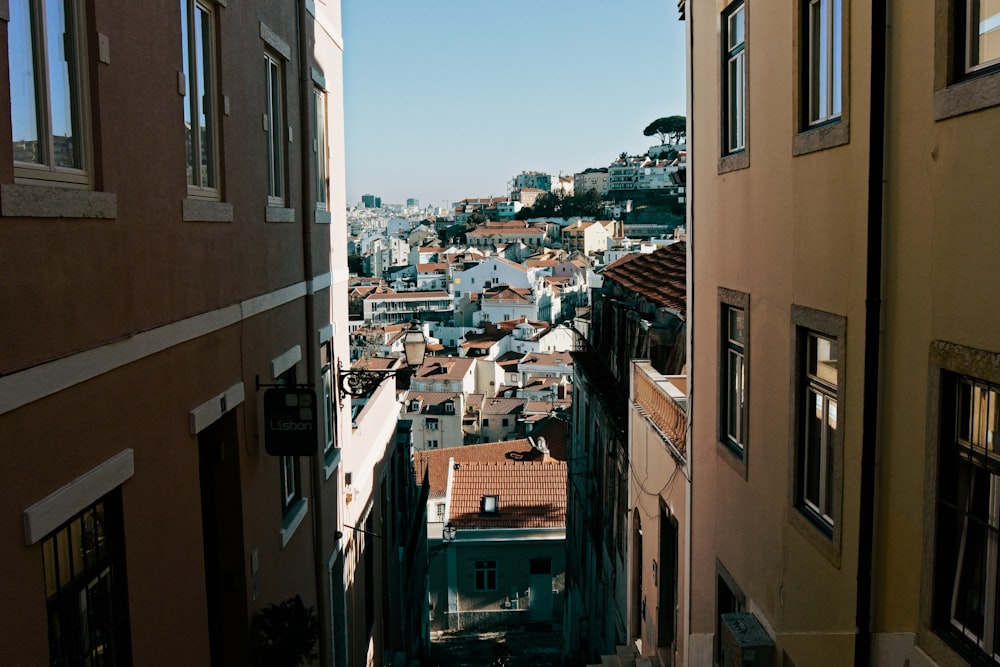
pixel 502 406
pixel 529 495
pixel 660 276
pixel 435 461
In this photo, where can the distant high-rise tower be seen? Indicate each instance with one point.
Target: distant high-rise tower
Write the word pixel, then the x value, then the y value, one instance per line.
pixel 412 203
pixel 371 201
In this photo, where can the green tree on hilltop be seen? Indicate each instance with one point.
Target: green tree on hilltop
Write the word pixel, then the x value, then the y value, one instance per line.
pixel 669 127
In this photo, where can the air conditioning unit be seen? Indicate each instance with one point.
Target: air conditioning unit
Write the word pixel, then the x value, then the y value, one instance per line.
pixel 745 643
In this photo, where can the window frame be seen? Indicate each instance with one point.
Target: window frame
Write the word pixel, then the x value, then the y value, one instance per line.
pixel 814 133
pixel 321 149
pixel 201 76
pixel 291 487
pixel 329 417
pixel 959 90
pixel 734 138
pixel 63 599
pixel 485 574
pixel 958 454
pixel 731 300
pixel 823 68
pixel 949 364
pixel 289 470
pixel 965 29
pixel 822 530
pixel 46 172
pixel 274 114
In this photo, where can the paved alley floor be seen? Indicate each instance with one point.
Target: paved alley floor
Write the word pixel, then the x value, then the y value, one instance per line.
pixel 462 648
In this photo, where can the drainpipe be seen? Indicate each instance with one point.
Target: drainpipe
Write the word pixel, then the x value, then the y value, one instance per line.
pixel 308 208
pixel 873 313
pixel 686 10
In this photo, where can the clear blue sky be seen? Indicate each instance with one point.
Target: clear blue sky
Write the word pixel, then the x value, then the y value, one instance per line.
pixel 447 99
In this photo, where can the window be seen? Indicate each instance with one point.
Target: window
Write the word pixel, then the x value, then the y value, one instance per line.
pixel 490 504
pixel 967 56
pixel 734 78
pixel 200 122
pixel 328 423
pixel 291 482
pixel 981 33
pixel 486 575
pixel 818 427
pixel 733 371
pixel 48 90
pixel 818 441
pixel 823 42
pixel 822 100
pixel 321 153
pixel 431 424
pixel 968 518
pixel 86 588
pixel 274 115
pixel 432 444
pixel 290 491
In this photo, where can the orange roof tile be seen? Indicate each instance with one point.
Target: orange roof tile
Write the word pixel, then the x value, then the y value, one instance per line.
pixel 529 494
pixel 660 276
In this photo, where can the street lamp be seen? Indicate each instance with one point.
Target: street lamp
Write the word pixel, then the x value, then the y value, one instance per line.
pixel 362 381
pixel 447 535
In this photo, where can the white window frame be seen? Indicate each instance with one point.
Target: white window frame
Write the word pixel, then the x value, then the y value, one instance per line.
pixel 967 503
pixel 45 171
pixel 328 434
pixel 733 379
pixel 274 114
pixel 290 491
pixel 321 149
pixel 824 60
pixel 734 78
pixel 973 30
pixel 200 98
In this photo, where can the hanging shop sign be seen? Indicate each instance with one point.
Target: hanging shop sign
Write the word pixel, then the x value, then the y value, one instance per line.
pixel 290 421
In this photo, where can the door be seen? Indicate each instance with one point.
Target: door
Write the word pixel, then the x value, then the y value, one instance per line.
pixel 222 533
pixel 540 590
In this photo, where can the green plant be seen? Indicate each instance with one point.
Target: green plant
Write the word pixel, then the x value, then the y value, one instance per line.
pixel 285 634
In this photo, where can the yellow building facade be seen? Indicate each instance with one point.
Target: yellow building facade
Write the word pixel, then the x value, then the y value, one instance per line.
pixel 845 354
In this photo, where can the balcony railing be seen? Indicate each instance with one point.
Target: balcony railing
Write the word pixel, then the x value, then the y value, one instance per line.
pixel 661 409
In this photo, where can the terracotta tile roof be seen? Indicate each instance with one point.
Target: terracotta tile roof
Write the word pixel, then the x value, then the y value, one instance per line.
pixel 660 276
pixel 529 494
pixel 548 359
pixel 506 294
pixel 435 461
pixel 431 402
pixel 536 383
pixel 448 368
pixel 376 363
pixel 479 344
pixel 431 266
pixel 502 406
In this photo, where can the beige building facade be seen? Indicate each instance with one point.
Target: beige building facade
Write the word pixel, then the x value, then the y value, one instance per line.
pixel 844 353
